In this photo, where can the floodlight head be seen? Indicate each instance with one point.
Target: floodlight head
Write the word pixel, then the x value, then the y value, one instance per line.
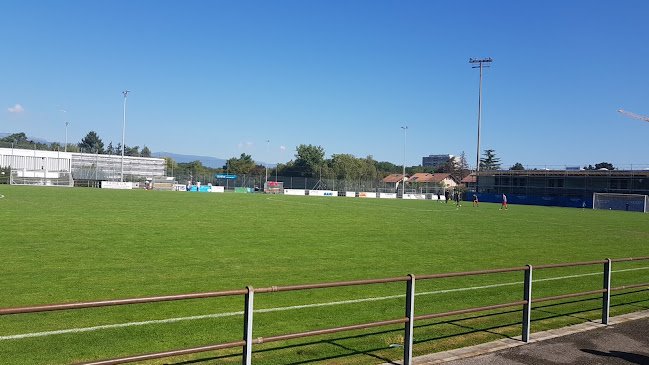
pixel 476 60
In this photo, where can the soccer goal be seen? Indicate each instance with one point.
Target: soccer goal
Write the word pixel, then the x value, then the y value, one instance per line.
pixel 41 178
pixel 630 202
pixel 274 187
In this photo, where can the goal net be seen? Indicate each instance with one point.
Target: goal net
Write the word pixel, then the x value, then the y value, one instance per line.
pixel 41 178
pixel 274 187
pixel 630 202
pixel 163 183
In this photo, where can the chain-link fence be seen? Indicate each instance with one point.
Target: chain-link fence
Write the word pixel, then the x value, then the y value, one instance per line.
pixel 256 182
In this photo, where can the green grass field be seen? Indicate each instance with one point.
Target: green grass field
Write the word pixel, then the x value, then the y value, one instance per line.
pixel 68 245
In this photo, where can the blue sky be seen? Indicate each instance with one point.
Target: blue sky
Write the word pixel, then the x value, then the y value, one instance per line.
pixel 221 78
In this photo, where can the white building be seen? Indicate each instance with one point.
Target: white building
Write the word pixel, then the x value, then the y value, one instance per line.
pixel 81 165
pixel 436 160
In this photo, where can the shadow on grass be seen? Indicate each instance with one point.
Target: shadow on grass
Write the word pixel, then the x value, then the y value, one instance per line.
pixel 457 322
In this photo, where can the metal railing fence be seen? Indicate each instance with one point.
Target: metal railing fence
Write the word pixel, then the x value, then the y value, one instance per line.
pixel 408 319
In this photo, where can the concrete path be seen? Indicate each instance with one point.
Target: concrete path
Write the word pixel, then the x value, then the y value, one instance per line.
pixel 624 341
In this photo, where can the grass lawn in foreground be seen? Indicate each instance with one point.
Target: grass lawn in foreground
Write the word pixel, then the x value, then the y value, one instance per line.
pixel 68 245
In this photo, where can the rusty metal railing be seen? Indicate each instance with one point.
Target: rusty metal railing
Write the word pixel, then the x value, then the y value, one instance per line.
pixel 408 319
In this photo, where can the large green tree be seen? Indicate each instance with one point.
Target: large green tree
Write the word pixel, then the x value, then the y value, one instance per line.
pixel 490 161
pixel 309 160
pixel 242 165
pixel 110 150
pixel 91 143
pixel 604 165
pixel 344 166
pixel 517 166
pixel 17 138
pixel 132 151
pixel 461 168
pixel 146 152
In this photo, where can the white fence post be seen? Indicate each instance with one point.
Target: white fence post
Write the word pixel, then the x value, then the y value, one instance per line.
pixel 606 296
pixel 410 314
pixel 527 308
pixel 247 326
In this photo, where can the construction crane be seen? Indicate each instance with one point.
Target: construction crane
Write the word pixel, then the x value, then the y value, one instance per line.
pixel 633 115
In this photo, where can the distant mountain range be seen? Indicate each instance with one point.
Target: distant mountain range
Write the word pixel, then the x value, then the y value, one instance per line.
pixel 207 161
pixel 212 162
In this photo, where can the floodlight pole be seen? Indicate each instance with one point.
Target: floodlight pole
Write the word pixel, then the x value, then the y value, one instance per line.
pixel 267 154
pixel 480 66
pixel 125 92
pixel 403 178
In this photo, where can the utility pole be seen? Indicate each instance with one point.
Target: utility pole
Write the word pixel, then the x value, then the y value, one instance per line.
pixel 403 178
pixel 480 66
pixel 125 92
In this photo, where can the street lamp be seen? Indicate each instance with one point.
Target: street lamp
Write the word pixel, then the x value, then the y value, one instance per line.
pixel 66 136
pixel 125 92
pixel 66 131
pixel 480 66
pixel 403 178
pixel 267 153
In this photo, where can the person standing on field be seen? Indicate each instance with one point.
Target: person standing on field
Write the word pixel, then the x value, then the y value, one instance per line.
pixel 475 201
pixel 504 204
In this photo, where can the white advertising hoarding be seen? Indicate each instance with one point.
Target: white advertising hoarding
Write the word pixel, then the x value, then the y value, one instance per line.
pixel 415 196
pixel 388 195
pixel 366 195
pixel 323 193
pixel 350 194
pixel 116 185
pixel 294 192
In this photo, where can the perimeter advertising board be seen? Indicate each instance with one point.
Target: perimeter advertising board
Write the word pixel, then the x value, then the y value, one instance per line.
pixel 388 195
pixel 294 192
pixel 366 195
pixel 415 196
pixel 116 185
pixel 323 193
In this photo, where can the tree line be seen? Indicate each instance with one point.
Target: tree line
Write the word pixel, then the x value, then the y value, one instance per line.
pixel 91 143
pixel 309 162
